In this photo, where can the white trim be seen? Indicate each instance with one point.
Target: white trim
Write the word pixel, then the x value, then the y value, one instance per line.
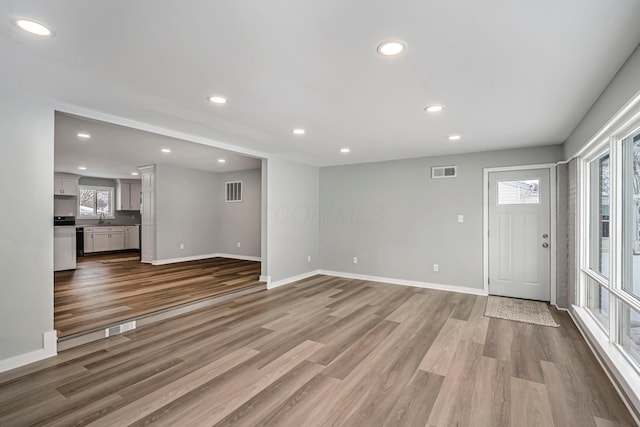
pixel 49 341
pixel 242 257
pixel 286 281
pixel 206 256
pixel 402 282
pixel 621 374
pixel 265 279
pixel 552 225
pixel 624 113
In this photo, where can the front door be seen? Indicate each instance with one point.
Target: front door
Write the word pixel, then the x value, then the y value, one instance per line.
pixel 519 234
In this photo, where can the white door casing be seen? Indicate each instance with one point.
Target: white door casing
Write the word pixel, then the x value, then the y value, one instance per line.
pixel 520 238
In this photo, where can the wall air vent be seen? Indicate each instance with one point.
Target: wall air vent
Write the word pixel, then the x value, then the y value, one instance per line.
pixel 119 329
pixel 444 171
pixel 233 191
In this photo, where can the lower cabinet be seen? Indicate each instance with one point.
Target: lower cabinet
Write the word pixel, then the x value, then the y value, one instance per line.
pixel 132 238
pixel 102 239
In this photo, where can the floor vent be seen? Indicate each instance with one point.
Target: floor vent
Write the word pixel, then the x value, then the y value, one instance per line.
pixel 119 329
pixel 444 172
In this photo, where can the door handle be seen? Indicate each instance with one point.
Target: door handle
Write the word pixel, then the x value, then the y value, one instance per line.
pixel 545 245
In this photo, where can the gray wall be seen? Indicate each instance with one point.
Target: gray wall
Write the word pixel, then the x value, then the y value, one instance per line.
pixel 399 222
pixel 185 212
pixel 26 229
pixel 240 222
pixel 190 209
pixel 292 218
pixel 621 89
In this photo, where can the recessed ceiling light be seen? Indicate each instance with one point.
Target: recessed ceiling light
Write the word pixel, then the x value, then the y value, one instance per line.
pixel 433 108
pixel 134 173
pixel 218 99
pixel 166 150
pixel 33 27
pixel 391 48
pixel 454 137
pixel 82 168
pixel 84 135
pixel 345 150
pixel 222 161
pixel 298 131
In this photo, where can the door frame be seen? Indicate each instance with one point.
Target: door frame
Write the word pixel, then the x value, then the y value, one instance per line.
pixel 552 221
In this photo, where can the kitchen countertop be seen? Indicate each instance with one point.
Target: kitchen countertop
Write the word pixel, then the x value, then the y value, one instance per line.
pixel 106 225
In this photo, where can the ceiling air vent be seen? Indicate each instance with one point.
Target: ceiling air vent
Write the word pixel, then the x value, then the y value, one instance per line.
pixel 444 171
pixel 234 191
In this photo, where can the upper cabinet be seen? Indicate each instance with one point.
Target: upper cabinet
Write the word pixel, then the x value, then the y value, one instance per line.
pixel 65 184
pixel 128 195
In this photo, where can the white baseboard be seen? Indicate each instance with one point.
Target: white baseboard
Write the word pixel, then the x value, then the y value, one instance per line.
pixel 242 257
pixel 402 282
pixel 205 256
pixel 266 279
pixel 49 349
pixel 286 281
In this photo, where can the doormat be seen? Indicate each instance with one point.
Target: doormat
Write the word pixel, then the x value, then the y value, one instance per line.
pixel 519 310
pixel 131 258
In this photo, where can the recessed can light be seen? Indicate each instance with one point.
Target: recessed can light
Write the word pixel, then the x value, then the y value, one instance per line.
pixel 434 108
pixel 298 131
pixel 345 150
pixel 134 173
pixel 33 27
pixel 166 150
pixel 218 99
pixel 222 161
pixel 391 48
pixel 84 135
pixel 82 168
pixel 454 137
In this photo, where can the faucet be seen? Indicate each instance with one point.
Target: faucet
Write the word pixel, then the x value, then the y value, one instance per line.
pixel 101 220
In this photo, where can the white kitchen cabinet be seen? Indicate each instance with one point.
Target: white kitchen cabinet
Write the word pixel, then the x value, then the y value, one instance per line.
pixel 132 238
pixel 88 240
pixel 100 241
pixel 128 195
pixel 104 239
pixel 65 184
pixel 116 241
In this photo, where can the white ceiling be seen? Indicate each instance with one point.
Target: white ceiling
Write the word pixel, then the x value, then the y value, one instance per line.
pixel 115 151
pixel 509 73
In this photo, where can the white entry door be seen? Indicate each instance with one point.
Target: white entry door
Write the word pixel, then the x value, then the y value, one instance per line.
pixel 519 234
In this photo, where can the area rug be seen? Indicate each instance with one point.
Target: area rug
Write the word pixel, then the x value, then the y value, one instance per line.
pixel 131 258
pixel 519 310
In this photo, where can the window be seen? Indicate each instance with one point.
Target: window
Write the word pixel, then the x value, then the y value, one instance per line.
pixel 233 191
pixel 519 192
pixel 599 215
pixel 630 331
pixel 598 302
pixel 631 215
pixel 94 202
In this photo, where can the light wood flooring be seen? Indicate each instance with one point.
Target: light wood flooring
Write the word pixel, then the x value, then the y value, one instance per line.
pixel 324 352
pixel 101 292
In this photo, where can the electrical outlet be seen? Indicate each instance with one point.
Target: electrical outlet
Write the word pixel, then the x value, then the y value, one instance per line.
pixel 436 268
pixel 460 218
pixel 181 245
pixel 309 258
pixel 355 259
pixel 238 244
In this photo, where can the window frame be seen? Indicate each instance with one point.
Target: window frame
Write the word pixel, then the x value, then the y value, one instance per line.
pixel 96 188
pixel 617 295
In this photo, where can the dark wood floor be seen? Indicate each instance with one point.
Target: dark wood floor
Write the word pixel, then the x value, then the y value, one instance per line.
pixel 101 292
pixel 324 352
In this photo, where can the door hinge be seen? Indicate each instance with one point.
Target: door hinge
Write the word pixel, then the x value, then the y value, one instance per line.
pixel 488 281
